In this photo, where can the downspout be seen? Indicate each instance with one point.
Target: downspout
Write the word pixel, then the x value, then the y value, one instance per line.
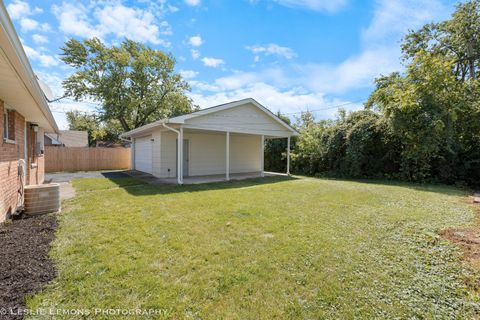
pixel 179 174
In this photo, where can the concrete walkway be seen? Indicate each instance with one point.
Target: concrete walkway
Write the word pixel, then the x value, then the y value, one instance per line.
pixel 64 179
pixel 68 176
pixel 66 190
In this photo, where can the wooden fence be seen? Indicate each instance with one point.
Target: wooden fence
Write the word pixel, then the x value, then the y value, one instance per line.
pixel 86 159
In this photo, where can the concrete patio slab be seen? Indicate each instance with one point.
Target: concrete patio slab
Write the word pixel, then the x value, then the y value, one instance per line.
pixel 199 179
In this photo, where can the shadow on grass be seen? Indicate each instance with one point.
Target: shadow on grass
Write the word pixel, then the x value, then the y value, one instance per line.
pixel 138 187
pixel 115 174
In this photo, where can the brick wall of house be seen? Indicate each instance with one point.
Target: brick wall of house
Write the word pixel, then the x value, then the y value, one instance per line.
pixel 9 155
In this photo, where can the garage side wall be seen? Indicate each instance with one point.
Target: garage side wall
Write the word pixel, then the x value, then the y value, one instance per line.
pixel 207 153
pixel 168 145
pixel 245 153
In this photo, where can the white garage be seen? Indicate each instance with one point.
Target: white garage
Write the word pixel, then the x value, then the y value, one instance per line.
pixel 224 140
pixel 143 154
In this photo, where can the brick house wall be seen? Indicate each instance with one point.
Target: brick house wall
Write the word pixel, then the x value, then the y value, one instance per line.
pixel 9 155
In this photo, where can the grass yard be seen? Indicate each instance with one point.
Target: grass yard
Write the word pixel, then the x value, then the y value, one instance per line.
pixel 262 249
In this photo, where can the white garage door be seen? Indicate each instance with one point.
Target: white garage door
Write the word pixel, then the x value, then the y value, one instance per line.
pixel 143 154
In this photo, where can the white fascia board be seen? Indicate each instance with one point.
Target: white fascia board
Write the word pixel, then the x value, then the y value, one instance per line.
pixel 25 73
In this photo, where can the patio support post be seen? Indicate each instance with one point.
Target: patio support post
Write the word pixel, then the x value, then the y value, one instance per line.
pixel 227 157
pixel 180 156
pixel 262 157
pixel 132 154
pixel 288 155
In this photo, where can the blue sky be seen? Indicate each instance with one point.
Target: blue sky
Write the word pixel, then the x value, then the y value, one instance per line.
pixel 290 55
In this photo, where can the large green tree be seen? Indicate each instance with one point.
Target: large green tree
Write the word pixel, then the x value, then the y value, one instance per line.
pixel 97 129
pixel 133 83
pixel 276 151
pixel 456 39
pixel 433 108
pixel 422 124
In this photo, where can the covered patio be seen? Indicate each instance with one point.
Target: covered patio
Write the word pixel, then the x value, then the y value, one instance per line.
pixel 221 143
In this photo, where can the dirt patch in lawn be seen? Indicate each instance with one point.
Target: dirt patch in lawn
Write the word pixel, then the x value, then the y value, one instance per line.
pixel 467 239
pixel 25 267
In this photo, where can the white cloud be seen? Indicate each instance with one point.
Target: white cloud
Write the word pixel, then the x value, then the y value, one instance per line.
pixel 236 81
pixel 192 2
pixel 356 72
pixel 18 9
pixel 273 49
pixel 59 110
pixel 53 80
pixel 195 54
pixel 172 9
pixel 188 74
pixel 128 22
pixel 111 19
pixel 21 10
pixel 204 86
pixel 74 20
pixel 45 27
pixel 393 18
pixel 28 24
pixel 212 62
pixel 300 86
pixel 195 41
pixel 39 39
pixel 286 101
pixel 315 5
pixel 44 59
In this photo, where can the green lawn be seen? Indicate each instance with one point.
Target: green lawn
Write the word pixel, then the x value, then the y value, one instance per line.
pixel 261 249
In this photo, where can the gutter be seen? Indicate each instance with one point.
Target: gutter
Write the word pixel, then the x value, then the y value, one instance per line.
pixel 179 137
pixel 32 82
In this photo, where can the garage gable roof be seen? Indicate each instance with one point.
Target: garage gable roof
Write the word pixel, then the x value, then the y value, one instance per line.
pixel 207 111
pixel 229 105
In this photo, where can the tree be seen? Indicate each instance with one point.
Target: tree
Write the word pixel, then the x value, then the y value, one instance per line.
pixel 455 39
pixel 97 130
pixel 419 125
pixel 276 151
pixel 431 108
pixel 134 84
pixel 85 122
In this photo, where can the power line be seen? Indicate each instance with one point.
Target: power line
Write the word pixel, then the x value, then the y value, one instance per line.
pixel 327 107
pixel 65 110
